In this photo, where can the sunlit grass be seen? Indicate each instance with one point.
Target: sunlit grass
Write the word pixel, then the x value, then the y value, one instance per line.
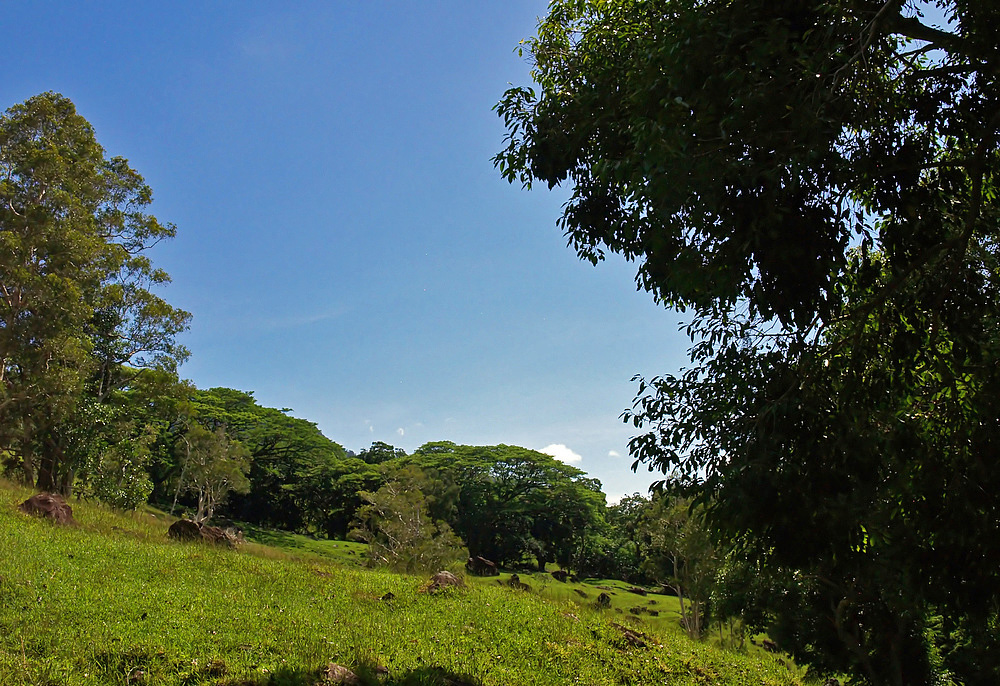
pixel 113 601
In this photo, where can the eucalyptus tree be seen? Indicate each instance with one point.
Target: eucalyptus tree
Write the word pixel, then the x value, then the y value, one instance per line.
pixel 78 312
pixel 816 182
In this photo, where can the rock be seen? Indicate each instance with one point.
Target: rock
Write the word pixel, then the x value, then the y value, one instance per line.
pixel 214 534
pixel 480 566
pixel 580 593
pixel 770 646
pixel 187 530
pixel 184 530
pixel 603 601
pixel 515 582
pixel 634 638
pixel 638 591
pixel 442 580
pixel 560 575
pixel 49 506
pixel 388 596
pixel 340 675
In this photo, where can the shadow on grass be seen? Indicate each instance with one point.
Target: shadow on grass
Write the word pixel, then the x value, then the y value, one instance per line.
pixel 423 676
pixel 271 537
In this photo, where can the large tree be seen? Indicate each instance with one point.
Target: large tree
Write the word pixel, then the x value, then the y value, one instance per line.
pixel 817 183
pixel 78 317
pixel 508 502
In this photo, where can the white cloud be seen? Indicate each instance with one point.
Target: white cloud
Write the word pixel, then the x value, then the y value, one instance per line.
pixel 561 453
pixel 614 453
pixel 400 431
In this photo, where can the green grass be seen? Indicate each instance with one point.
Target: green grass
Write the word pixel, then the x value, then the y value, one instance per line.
pixel 113 601
pixel 306 548
pixel 631 608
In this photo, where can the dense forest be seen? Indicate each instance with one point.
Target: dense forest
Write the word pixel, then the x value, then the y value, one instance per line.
pixel 814 183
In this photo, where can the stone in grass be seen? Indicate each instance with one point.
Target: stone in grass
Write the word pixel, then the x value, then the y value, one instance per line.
pixel 339 675
pixel 634 638
pixel 187 530
pixel 443 579
pixel 516 583
pixel 480 566
pixel 603 601
pixel 49 506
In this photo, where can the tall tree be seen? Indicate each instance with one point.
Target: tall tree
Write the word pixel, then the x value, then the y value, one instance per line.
pixel 817 182
pixel 508 502
pixel 77 316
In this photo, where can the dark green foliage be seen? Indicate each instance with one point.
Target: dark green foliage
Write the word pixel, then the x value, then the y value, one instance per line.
pixel 78 317
pixel 299 480
pixel 818 182
pixel 508 502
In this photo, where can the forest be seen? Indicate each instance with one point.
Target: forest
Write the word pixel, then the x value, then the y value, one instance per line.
pixel 813 184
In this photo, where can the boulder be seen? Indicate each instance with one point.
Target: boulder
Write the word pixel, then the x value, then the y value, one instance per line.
pixel 340 675
pixel 187 530
pixel 638 591
pixel 442 580
pixel 49 506
pixel 480 566
pixel 603 601
pixel 560 575
pixel 515 582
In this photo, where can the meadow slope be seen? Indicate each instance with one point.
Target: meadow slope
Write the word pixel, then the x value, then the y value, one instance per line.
pixel 113 601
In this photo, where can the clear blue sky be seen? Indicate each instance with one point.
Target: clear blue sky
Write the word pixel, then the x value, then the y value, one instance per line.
pixel 344 243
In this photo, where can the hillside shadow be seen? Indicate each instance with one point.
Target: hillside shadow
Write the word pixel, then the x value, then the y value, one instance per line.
pixel 422 676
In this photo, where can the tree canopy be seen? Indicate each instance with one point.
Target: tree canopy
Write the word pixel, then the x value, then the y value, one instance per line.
pixel 817 182
pixel 79 318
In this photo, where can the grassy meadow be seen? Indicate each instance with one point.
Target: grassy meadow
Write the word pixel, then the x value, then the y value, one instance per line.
pixel 113 601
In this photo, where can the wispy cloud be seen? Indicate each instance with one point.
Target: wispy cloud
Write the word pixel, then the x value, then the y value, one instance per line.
pixel 401 431
pixel 614 453
pixel 561 453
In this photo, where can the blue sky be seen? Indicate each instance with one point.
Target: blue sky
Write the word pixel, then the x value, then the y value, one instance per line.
pixel 344 243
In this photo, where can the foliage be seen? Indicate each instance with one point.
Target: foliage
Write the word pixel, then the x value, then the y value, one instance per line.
pixel 507 502
pixel 78 318
pixel 680 554
pixel 212 465
pixel 299 479
pixel 399 531
pixel 818 182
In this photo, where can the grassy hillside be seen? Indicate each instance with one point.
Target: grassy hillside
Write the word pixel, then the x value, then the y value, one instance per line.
pixel 113 601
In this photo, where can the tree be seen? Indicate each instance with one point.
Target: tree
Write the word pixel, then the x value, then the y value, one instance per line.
pixel 507 502
pixel 817 183
pixel 380 452
pixel 680 555
pixel 212 466
pixel 290 460
pixel 400 533
pixel 77 316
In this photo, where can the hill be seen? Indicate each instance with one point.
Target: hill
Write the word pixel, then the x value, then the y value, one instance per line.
pixel 113 601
